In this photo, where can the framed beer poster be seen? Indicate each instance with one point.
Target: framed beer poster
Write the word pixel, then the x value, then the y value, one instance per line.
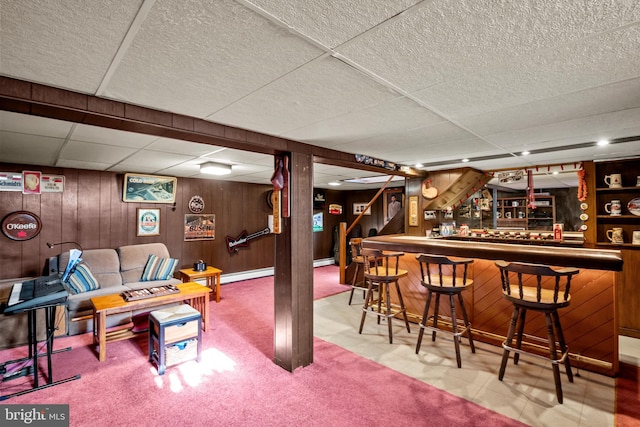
pixel 149 188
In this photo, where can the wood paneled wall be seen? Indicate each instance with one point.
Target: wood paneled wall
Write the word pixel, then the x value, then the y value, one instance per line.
pixel 91 212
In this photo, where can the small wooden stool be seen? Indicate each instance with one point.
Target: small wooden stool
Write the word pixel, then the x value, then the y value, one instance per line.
pixel 175 336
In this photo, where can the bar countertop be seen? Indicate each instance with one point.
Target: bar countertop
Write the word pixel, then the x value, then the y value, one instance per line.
pixel 599 259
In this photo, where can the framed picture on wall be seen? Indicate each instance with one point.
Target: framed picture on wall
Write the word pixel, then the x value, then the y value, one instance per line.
pixel 393 203
pixel 149 188
pixel 413 210
pixel 359 208
pixel 148 222
pixel 199 227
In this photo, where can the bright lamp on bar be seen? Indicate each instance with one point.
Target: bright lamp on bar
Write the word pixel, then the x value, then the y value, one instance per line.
pixel 215 168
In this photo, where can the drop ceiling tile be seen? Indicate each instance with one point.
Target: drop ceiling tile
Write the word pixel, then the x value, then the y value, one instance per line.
pixel 197 60
pixel 177 146
pixel 333 22
pixel 90 152
pixel 239 157
pixel 76 164
pixel 585 129
pixel 29 149
pixel 33 125
pixel 443 41
pixel 320 90
pixel 396 115
pixel 590 102
pixel 153 160
pixel 597 61
pixel 48 42
pixel 111 136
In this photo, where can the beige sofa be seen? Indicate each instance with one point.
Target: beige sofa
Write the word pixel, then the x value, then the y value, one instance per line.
pixel 116 270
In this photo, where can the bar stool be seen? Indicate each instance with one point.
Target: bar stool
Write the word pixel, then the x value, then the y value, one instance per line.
pixel 381 269
pixel 449 284
pixel 525 286
pixel 356 258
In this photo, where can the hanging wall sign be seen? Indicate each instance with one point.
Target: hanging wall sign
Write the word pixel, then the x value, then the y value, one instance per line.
pixel 31 182
pixel 10 181
pixel 196 204
pixel 21 225
pixel 52 183
pixel 335 209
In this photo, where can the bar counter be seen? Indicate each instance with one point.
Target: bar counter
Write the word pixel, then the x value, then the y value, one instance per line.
pixel 589 323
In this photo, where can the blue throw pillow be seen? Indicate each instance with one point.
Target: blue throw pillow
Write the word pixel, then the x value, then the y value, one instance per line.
pixel 158 268
pixel 82 280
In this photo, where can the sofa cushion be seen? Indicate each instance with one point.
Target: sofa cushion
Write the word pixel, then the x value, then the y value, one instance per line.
pixel 158 268
pixel 133 259
pixel 105 265
pixel 82 280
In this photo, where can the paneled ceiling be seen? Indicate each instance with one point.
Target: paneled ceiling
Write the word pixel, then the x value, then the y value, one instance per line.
pixel 412 82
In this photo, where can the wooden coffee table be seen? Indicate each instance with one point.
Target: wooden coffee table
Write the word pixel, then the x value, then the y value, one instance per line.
pixel 191 293
pixel 211 274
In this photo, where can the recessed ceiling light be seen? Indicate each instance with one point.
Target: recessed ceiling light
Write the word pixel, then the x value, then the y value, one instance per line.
pixel 334 183
pixel 418 165
pixel 213 168
pixel 603 142
pixel 465 160
pixel 525 153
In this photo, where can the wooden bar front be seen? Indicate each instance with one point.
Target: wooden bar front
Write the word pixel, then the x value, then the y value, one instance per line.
pixel 590 322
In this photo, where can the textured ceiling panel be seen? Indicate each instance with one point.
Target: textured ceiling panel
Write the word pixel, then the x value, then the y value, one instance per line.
pixel 397 115
pixel 592 62
pixel 322 89
pixel 29 149
pixel 89 152
pixel 220 50
pixel 20 123
pixel 333 22
pixel 49 42
pixel 587 103
pixel 111 136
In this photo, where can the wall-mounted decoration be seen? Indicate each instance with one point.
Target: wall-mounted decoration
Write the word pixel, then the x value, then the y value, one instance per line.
pixel 317 222
pixel 31 182
pixel 335 209
pixel 148 222
pixel 358 208
pixel 360 158
pixel 413 210
pixel 242 240
pixel 21 225
pixel 149 188
pixel 199 227
pixel 393 203
pixel 10 181
pixel 428 190
pixel 318 199
pixel 196 204
pixel 52 183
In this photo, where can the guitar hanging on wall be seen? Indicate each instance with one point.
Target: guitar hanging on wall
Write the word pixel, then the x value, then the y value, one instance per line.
pixel 242 241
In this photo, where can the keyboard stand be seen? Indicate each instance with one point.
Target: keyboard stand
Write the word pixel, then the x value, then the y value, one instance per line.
pixel 32 369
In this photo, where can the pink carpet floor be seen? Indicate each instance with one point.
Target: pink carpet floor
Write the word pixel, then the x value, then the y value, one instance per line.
pixel 237 383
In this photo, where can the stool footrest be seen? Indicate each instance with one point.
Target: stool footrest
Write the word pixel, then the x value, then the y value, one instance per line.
pixel 562 358
pixel 460 325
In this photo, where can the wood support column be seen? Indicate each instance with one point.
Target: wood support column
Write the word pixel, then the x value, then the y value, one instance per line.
pixel 293 280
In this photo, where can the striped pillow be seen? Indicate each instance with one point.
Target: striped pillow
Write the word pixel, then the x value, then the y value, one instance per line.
pixel 158 268
pixel 82 280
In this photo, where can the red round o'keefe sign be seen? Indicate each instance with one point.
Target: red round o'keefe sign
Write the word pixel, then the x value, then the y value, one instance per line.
pixel 21 225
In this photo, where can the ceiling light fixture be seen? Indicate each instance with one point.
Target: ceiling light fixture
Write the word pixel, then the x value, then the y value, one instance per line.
pixel 465 160
pixel 525 153
pixel 213 168
pixel 603 142
pixel 334 183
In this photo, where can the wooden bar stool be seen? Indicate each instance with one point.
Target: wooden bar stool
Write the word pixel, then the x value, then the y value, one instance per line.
pixel 381 269
pixel 451 283
pixel 525 286
pixel 356 258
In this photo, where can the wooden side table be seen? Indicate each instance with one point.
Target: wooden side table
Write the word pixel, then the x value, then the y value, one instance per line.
pixel 212 275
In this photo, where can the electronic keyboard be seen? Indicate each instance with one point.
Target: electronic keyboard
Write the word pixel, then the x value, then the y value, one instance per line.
pixel 36 293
